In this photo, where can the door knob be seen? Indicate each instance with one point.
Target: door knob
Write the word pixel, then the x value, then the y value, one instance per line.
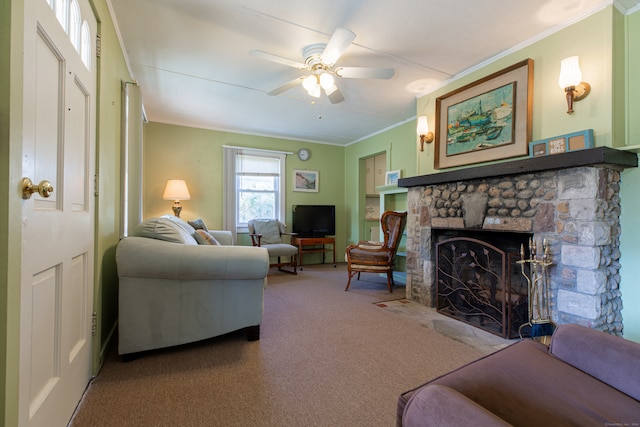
pixel 44 188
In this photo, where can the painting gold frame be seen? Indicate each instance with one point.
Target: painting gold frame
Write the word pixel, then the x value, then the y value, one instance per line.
pixel 469 132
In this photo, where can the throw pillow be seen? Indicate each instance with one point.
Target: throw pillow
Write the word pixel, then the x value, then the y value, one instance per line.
pixel 270 230
pixel 198 224
pixel 164 229
pixel 182 224
pixel 206 237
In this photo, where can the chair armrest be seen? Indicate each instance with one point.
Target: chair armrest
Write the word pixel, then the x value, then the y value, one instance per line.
pixel 255 239
pixel 156 259
pixel 368 247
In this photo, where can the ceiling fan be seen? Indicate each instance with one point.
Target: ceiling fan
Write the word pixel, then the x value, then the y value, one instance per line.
pixel 320 60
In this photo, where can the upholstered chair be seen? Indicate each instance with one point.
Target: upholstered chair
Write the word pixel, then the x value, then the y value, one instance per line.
pixel 378 257
pixel 267 233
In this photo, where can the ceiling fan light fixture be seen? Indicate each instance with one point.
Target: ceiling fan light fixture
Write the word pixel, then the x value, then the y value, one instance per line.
pixel 331 89
pixel 309 83
pixel 326 81
pixel 315 91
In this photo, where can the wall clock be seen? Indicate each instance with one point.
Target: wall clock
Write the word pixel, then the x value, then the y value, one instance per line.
pixel 304 154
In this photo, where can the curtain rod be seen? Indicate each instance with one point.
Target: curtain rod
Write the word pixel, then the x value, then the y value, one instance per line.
pixel 258 149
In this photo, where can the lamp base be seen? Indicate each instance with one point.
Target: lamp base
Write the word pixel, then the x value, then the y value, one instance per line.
pixel 177 208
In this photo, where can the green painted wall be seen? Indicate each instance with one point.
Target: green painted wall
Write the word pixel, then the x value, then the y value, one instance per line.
pixel 8 259
pixel 400 145
pixel 591 40
pixel 195 155
pixel 630 217
pixel 113 71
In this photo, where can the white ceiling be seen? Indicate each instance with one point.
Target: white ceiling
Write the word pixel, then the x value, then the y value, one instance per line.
pixel 191 57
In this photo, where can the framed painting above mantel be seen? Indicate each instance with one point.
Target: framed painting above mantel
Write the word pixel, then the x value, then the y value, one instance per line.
pixel 489 119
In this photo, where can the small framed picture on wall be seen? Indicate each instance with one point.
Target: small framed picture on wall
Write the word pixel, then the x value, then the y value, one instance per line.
pixel 304 180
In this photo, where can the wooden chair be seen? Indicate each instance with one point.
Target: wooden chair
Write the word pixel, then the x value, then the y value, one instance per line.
pixel 378 257
pixel 267 233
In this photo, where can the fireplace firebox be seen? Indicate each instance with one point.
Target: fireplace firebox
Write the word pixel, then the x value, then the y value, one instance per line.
pixel 478 280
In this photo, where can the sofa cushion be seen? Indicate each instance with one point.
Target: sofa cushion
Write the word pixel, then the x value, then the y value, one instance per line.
pixel 270 231
pixel 198 224
pixel 164 229
pixel 205 238
pixel 609 358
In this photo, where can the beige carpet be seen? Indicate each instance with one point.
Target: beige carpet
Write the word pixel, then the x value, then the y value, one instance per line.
pixel 326 357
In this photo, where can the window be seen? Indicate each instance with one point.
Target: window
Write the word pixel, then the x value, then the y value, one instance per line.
pixel 62 13
pixel 254 186
pixel 85 48
pixel 74 25
pixel 69 16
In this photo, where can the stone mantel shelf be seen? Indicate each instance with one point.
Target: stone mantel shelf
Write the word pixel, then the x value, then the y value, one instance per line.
pixel 599 156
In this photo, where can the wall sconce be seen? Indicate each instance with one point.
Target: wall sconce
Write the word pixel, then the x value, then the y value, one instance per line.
pixel 176 190
pixel 571 81
pixel 423 132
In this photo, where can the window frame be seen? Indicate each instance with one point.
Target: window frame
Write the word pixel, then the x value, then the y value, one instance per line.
pixel 232 213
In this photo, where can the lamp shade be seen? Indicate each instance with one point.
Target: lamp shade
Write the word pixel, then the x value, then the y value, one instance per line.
pixel 570 74
pixel 176 189
pixel 423 126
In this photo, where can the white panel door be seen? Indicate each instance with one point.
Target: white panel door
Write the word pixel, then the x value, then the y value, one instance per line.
pixel 58 231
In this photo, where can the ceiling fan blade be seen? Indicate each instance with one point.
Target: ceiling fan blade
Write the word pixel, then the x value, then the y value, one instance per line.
pixel 364 72
pixel 334 95
pixel 286 86
pixel 278 59
pixel 340 41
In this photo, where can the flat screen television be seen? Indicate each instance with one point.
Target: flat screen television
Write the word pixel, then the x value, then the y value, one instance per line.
pixel 314 220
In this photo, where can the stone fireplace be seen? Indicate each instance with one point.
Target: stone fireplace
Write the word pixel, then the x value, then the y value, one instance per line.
pixel 572 200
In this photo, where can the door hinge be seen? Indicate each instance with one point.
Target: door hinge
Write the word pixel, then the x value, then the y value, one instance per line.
pixel 96 183
pixel 98 45
pixel 94 324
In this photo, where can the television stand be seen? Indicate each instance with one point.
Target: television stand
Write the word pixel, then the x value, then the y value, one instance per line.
pixel 314 242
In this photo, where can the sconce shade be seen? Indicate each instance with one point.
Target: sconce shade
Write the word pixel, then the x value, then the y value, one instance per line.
pixel 570 74
pixel 570 81
pixel 423 132
pixel 423 125
pixel 176 189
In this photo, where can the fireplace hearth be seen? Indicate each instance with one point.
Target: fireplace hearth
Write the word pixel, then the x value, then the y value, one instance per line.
pixel 571 200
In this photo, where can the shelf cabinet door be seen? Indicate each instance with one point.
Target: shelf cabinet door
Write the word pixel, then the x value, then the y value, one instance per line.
pixel 370 183
pixel 380 162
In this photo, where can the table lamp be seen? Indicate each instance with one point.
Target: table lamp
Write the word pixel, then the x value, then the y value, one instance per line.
pixel 176 190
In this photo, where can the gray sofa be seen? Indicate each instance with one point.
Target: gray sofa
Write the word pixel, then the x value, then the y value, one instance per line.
pixel 585 378
pixel 177 287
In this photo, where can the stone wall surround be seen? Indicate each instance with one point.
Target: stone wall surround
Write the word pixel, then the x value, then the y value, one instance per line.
pixel 575 209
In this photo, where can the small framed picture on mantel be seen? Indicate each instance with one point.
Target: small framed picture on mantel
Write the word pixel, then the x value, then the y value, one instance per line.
pixel 392 177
